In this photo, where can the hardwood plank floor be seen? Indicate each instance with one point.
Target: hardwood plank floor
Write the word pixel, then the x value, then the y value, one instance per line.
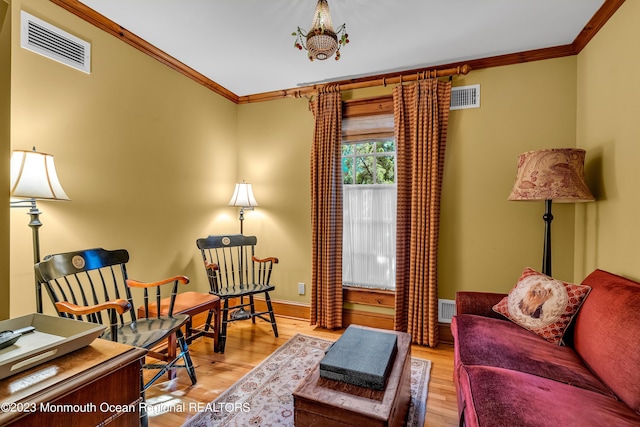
pixel 247 345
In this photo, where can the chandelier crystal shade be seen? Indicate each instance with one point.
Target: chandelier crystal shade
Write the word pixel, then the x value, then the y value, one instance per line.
pixel 321 41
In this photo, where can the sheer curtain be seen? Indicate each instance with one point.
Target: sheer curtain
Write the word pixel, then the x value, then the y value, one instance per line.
pixel 369 236
pixel 326 210
pixel 421 113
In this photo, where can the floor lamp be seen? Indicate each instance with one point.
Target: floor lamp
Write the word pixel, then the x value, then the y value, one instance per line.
pixel 552 175
pixel 33 177
pixel 242 197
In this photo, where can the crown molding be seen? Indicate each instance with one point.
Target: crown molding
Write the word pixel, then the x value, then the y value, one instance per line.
pixel 608 8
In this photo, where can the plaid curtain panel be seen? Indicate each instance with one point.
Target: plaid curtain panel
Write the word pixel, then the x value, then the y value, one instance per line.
pixel 421 115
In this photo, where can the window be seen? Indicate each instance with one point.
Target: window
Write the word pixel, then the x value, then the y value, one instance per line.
pixel 369 212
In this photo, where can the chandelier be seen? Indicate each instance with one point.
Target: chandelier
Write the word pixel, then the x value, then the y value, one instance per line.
pixel 321 42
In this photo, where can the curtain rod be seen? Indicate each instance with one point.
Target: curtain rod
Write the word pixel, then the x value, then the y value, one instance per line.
pixel 384 81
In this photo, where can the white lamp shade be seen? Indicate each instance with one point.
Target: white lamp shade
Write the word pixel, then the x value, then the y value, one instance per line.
pixel 243 196
pixel 33 176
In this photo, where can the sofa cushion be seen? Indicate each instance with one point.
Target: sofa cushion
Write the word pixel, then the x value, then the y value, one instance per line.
pixel 542 304
pixel 498 397
pixel 607 334
pixel 491 342
pixel 480 303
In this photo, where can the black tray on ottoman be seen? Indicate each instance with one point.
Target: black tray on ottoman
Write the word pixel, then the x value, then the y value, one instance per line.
pixel 361 357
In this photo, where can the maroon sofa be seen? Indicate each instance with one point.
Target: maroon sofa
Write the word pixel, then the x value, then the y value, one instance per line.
pixel 506 375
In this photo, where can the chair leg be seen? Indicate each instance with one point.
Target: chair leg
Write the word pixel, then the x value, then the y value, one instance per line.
pixel 253 309
pixel 271 315
pixel 216 327
pixel 182 342
pixel 207 324
pixel 223 328
pixel 171 354
pixel 214 314
pixel 189 330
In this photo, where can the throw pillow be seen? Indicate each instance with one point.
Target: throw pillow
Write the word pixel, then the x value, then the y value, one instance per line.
pixel 542 304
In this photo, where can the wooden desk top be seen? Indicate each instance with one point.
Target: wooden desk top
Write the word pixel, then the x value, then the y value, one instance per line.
pixel 64 374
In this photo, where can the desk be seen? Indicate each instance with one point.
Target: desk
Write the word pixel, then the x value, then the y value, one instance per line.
pixel 323 402
pixel 101 381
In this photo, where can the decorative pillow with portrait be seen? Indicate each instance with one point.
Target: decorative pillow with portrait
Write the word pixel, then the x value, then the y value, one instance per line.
pixel 542 304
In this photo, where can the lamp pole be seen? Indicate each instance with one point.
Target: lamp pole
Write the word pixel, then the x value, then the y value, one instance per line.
pixel 241 219
pixel 35 224
pixel 546 253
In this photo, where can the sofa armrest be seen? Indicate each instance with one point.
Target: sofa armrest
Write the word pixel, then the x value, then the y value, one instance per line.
pixel 480 303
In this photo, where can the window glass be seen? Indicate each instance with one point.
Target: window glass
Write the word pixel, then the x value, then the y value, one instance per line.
pixel 369 213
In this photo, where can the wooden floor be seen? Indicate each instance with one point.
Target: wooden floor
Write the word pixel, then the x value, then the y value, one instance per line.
pixel 248 344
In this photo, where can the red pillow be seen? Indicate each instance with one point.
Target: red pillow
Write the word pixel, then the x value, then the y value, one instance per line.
pixel 542 304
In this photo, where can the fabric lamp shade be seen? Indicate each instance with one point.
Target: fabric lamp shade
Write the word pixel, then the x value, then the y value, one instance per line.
pixel 553 174
pixel 243 196
pixel 33 176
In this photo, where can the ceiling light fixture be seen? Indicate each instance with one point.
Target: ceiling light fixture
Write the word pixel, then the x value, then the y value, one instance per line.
pixel 321 42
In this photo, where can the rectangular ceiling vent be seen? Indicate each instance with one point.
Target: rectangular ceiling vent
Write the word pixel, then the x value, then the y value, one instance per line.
pixel 465 97
pixel 43 38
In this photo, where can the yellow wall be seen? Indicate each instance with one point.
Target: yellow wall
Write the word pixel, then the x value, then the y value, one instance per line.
pixel 486 240
pixel 608 127
pixel 274 146
pixel 149 159
pixel 5 152
pixel 147 156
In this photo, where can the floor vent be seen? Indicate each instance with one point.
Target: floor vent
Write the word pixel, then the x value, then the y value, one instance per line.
pixel 465 97
pixel 43 38
pixel 446 310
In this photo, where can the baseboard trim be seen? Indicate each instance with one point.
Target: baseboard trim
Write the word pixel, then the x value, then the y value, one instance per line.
pixel 302 311
pixel 291 309
pixel 444 330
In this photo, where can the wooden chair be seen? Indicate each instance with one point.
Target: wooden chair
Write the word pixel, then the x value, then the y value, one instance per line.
pixel 192 304
pixel 234 273
pixel 83 284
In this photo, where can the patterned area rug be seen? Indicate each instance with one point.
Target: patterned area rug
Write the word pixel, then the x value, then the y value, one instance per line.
pixel 263 397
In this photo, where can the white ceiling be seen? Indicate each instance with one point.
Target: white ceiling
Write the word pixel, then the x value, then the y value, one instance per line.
pixel 246 46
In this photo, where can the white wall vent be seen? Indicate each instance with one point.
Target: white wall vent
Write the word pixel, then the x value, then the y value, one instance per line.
pixel 446 310
pixel 465 97
pixel 43 38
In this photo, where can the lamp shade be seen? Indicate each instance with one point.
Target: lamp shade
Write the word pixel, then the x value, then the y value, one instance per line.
pixel 243 196
pixel 33 176
pixel 553 174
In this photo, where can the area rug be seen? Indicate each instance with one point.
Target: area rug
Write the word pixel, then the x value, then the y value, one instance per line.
pixel 263 397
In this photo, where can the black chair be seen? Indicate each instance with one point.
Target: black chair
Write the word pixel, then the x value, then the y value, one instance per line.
pixel 83 284
pixel 234 273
